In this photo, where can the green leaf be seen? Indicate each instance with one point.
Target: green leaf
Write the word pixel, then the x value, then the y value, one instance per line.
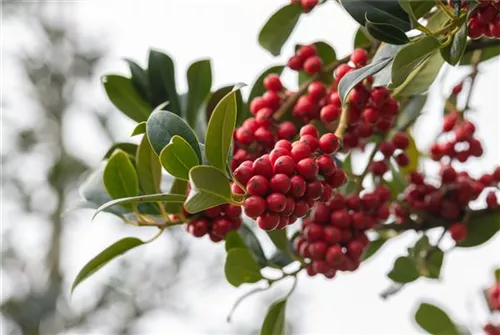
pixel 274 323
pixel 148 168
pixel 455 50
pixel 209 188
pixel 386 33
pixel 379 12
pixel 372 248
pixel 253 244
pixel 217 96
pixel 410 57
pixel 434 320
pixel 178 187
pixel 241 267
pixel 161 74
pixel 278 28
pixel 280 259
pixel 199 77
pixel 397 184
pixel 120 177
pixel 258 89
pixel 163 125
pixel 124 96
pixel 481 228
pixel 104 257
pixel 486 54
pixel 362 37
pixel 404 271
pixel 129 148
pixel 422 78
pixel 178 157
pixel 433 264
pixel 420 7
pixel 279 239
pixel 350 80
pixel 160 197
pixel 234 240
pixel 220 130
pixel 411 112
pixel 139 79
pixel 139 129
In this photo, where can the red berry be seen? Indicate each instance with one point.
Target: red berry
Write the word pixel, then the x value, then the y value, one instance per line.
pixel 264 116
pixel 402 159
pixel 301 208
pixel 308 5
pixel 496 174
pixel 401 141
pixel 273 99
pixel 213 212
pixel 448 175
pixel 313 232
pixel 329 143
pixel 332 234
pixel 285 165
pixel 335 99
pixel 337 179
pixel 491 200
pixel 276 202
pixel 457 88
pixel 355 249
pixel 283 144
pixel 307 51
pixel 297 186
pixel 326 165
pixel 359 57
pixel 334 254
pixel 321 213
pixel 378 168
pixel 379 96
pixel 316 90
pixel 289 208
pixel 243 174
pixel 268 221
pixel 280 183
pixel 304 106
pixel 314 189
pixel 295 63
pixel 310 141
pixel 341 219
pixel 235 189
pixel 309 129
pixel 198 227
pixel 264 135
pixel 387 148
pixel 300 151
pixel 244 136
pixel 254 206
pixel 276 153
pixel 307 168
pixel 458 231
pixel 330 113
pixel 221 226
pixel 262 166
pixel 232 211
pixel 317 250
pixel 257 185
pixel 341 71
pixel 273 82
pixel 257 104
pixel 286 130
pixel 450 121
pixel 313 65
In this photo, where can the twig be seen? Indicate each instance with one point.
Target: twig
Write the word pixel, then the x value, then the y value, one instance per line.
pixel 344 120
pixel 476 57
pixel 243 297
pixel 390 291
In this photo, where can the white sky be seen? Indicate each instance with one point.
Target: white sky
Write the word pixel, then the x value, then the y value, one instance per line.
pixel 226 31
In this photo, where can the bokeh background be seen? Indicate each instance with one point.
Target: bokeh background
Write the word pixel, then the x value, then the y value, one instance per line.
pixel 57 124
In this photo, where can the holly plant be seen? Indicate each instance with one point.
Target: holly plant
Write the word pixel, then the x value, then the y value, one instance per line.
pixel 292 162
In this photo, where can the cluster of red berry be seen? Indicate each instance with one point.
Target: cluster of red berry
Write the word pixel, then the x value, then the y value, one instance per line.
pixel 394 148
pixel 215 221
pixel 485 20
pixel 284 184
pixel 307 5
pixel 333 238
pixel 258 135
pixel 458 140
pixel 448 201
pixel 306 59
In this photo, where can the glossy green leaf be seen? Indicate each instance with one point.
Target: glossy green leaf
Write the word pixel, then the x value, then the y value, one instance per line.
pixel 160 197
pixel 199 77
pixel 233 241
pixel 220 130
pixel 278 28
pixel 258 89
pixel 178 187
pixel 388 12
pixel 104 257
pixel 129 148
pixel 120 177
pixel 386 33
pixel 148 168
pixel 350 80
pixel 434 320
pixel 139 79
pixel 481 228
pixel 397 184
pixel 410 57
pixel 362 37
pixel 217 96
pixel 279 238
pixel 383 77
pixel 241 267
pixel 410 112
pixel 161 74
pixel 280 259
pixel 178 157
pixel 431 268
pixel 454 51
pixel 416 8
pixel 163 125
pixel 209 188
pixel 372 248
pixel 274 323
pixel 404 271
pixel 139 129
pixel 420 80
pixel 125 97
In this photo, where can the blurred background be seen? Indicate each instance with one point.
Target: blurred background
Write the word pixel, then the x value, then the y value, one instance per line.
pixel 57 124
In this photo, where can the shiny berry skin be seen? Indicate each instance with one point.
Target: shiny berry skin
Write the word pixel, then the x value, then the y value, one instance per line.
pixel 313 65
pixel 297 186
pixel 307 168
pixel 401 141
pixel 330 113
pixel 277 153
pixel 262 166
pixel 273 82
pixel 244 136
pixel 309 129
pixel 232 211
pixel 243 174
pixel 313 232
pixel 286 130
pixel 334 254
pixel 311 141
pixel 285 165
pixel 326 165
pixel 254 206
pixel 337 179
pixel 341 71
pixel 304 106
pixel 317 250
pixel 316 90
pixel 402 159
pixel 295 63
pixel 331 234
pixel 329 143
pixel 300 151
pixel 359 57
pixel 307 51
pixel 280 183
pixel 221 226
pixel 491 200
pixel 283 144
pixel 458 231
pixel 355 249
pixel 370 115
pixel 301 208
pixel 257 104
pixel 264 135
pixel 340 218
pixel 448 175
pixel 198 227
pixel 264 116
pixel 268 221
pixel 378 168
pixel 273 99
pixel 276 202
pixel 314 189
pixel 257 185
pixel 387 148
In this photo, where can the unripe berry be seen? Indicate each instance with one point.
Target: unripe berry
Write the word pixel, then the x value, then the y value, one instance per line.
pixel 257 185
pixel 272 82
pixel 307 168
pixel 254 206
pixel 401 141
pixel 313 65
pixel 276 202
pixel 329 143
pixel 285 165
pixel 268 221
pixel 458 231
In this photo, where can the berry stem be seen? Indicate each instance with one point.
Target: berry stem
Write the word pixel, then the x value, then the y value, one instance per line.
pixel 344 119
pixel 243 297
pixel 362 176
pixel 476 57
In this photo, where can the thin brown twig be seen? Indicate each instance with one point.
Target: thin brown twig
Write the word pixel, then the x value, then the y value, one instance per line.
pixel 476 58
